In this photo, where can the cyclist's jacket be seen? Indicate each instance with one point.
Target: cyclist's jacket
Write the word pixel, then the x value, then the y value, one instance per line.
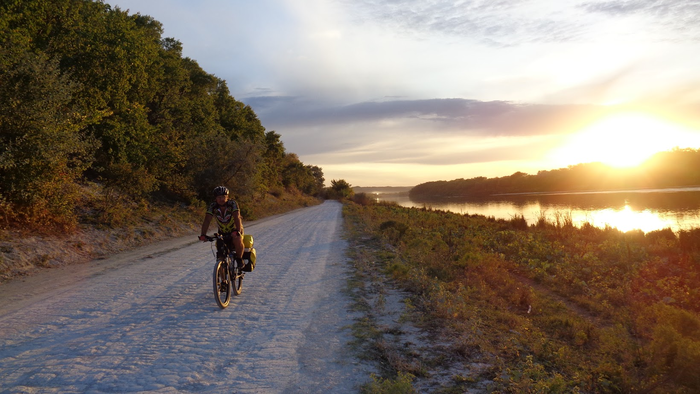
pixel 224 215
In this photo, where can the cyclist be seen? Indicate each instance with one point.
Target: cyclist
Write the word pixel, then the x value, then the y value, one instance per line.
pixel 228 218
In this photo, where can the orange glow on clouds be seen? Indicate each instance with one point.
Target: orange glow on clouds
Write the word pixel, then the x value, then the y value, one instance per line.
pixel 624 140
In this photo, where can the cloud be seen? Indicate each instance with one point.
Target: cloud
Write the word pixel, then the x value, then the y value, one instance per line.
pixel 593 91
pixel 494 23
pixel 452 151
pixel 263 103
pixel 669 20
pixel 431 132
pixel 414 117
pixel 511 22
pixel 680 10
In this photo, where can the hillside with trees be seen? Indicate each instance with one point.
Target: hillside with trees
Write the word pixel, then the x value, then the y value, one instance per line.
pixel 89 93
pixel 676 168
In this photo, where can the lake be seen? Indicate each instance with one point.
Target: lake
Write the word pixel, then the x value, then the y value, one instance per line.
pixel 646 210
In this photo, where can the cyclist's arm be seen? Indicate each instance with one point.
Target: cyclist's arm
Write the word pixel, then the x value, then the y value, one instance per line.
pixel 205 224
pixel 238 221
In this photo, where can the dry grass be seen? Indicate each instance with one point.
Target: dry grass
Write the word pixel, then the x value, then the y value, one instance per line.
pixel 545 308
pixel 108 223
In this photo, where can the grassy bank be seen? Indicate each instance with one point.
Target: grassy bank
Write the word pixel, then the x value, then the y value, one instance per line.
pixel 111 223
pixel 548 308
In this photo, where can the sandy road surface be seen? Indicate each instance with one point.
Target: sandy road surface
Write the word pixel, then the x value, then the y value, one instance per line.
pixel 146 321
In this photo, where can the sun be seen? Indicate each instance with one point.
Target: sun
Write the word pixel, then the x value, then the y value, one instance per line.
pixel 624 140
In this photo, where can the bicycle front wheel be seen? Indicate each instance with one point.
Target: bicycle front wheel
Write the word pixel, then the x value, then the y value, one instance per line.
pixel 237 281
pixel 222 284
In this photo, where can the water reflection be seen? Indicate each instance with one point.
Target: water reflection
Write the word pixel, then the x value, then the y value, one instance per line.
pixel 627 219
pixel 646 210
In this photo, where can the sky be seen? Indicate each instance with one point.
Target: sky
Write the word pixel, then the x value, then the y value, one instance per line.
pixel 402 92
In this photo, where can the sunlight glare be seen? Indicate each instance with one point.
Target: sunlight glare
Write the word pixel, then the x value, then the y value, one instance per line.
pixel 627 219
pixel 624 140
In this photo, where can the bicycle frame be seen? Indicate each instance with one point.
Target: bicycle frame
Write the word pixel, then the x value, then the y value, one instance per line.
pixel 222 248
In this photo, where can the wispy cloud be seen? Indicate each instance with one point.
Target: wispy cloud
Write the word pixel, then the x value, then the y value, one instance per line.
pixel 496 23
pixel 679 10
pixel 514 22
pixel 670 20
pixel 463 116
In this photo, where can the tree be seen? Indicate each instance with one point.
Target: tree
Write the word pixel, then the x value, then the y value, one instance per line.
pixel 319 180
pixel 273 159
pixel 99 93
pixel 43 152
pixel 340 189
pixel 237 119
pixel 295 175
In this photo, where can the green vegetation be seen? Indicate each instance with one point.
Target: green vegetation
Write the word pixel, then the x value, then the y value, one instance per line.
pixel 340 189
pixel 676 168
pixel 91 94
pixel 548 308
pixel 400 385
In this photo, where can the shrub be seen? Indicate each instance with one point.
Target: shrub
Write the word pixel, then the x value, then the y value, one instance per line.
pixel 518 222
pixel 676 346
pixel 339 189
pixel 363 199
pixel 690 240
pixel 43 152
pixel 663 234
pixel 400 385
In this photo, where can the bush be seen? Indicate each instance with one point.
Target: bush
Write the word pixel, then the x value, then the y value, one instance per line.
pixel 690 240
pixel 44 153
pixel 518 222
pixel 339 189
pixel 676 346
pixel 663 234
pixel 363 199
pixel 400 385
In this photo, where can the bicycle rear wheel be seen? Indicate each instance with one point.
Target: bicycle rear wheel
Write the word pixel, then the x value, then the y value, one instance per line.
pixel 222 284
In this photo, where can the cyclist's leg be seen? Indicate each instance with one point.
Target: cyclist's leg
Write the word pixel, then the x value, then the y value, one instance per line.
pixel 232 242
pixel 238 245
pixel 220 250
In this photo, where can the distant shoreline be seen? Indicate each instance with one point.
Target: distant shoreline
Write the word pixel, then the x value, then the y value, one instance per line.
pixel 618 191
pixel 383 189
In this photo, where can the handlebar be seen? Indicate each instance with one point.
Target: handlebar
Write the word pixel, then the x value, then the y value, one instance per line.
pixel 217 236
pixel 214 238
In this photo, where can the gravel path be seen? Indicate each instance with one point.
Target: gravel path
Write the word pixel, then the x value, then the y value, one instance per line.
pixel 146 321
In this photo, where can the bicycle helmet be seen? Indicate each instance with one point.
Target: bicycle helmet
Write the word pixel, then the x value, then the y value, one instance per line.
pixel 220 191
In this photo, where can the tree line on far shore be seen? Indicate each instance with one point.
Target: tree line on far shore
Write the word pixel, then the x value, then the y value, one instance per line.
pixel 91 93
pixel 675 168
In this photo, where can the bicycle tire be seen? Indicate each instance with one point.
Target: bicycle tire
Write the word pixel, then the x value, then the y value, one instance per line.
pixel 222 284
pixel 237 281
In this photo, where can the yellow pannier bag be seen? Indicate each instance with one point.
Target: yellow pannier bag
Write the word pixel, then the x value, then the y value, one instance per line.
pixel 251 257
pixel 249 252
pixel 247 241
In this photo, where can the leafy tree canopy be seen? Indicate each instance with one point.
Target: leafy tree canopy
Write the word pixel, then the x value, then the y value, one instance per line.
pixel 89 91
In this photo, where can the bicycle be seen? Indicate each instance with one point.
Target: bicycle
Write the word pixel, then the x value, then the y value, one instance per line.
pixel 228 276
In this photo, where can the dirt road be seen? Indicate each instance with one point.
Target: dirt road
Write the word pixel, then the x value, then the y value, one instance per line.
pixel 146 321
